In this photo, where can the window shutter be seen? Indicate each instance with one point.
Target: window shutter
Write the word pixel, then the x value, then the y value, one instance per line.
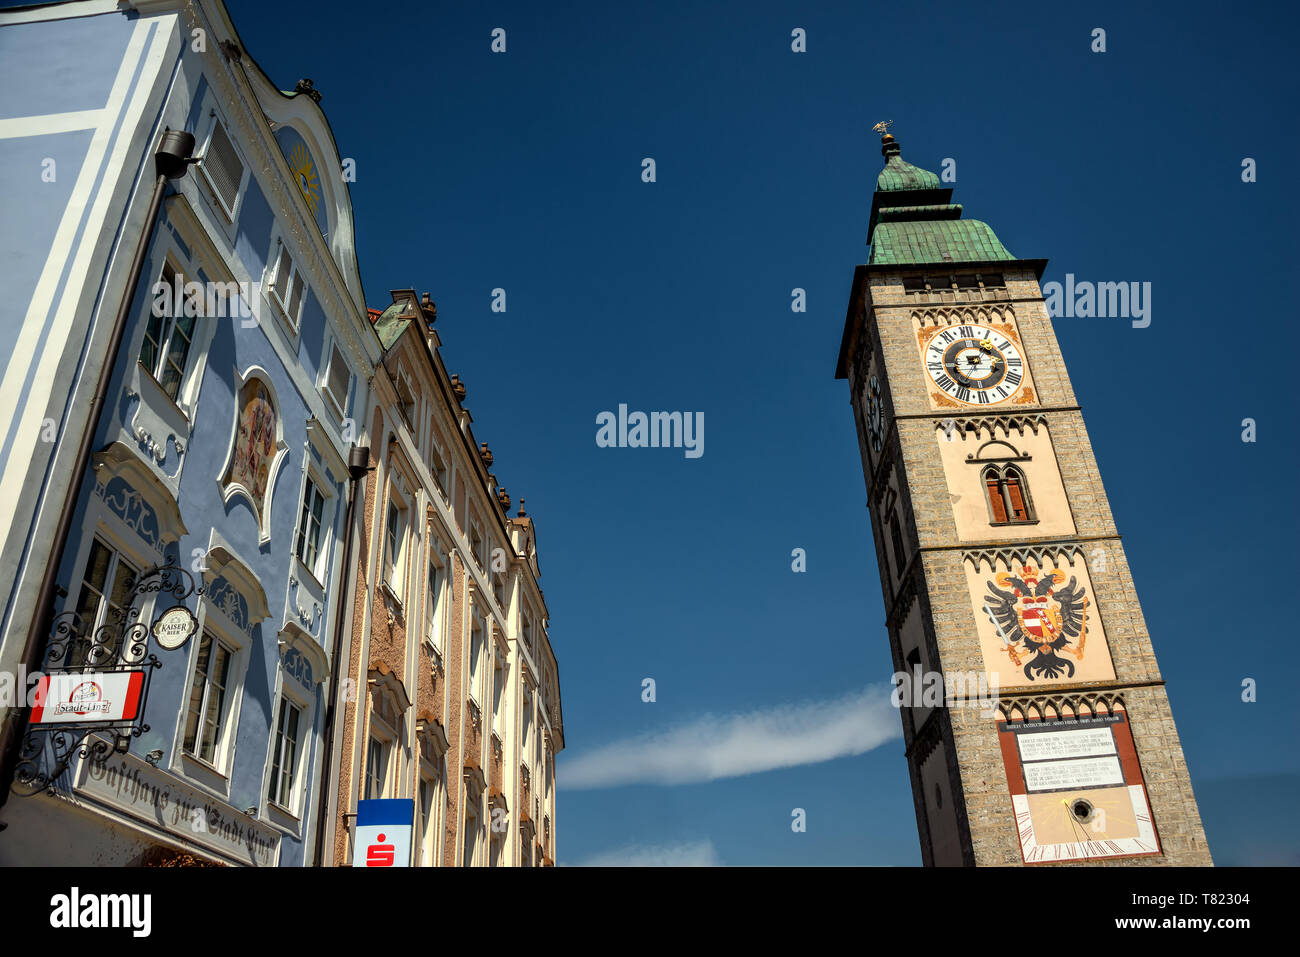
pixel 1018 510
pixel 995 498
pixel 223 167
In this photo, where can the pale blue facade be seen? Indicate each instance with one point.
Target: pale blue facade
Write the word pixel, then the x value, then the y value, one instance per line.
pixel 210 463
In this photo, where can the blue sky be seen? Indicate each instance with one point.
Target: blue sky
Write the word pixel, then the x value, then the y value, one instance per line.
pixel 522 171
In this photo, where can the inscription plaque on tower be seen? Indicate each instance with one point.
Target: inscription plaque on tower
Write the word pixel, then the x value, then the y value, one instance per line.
pixel 1076 788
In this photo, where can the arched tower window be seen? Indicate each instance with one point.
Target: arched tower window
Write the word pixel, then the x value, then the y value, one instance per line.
pixel 1007 494
pixel 1013 482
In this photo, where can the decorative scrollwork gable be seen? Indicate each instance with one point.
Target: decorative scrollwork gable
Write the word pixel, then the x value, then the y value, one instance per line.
pixel 132 492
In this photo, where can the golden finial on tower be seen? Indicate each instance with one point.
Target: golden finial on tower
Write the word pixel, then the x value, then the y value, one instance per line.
pixel 888 145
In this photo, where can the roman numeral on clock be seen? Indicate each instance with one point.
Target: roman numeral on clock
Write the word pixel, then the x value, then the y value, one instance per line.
pixel 963 393
pixel 945 383
pixel 983 397
pixel 968 332
pixel 1014 362
pixel 1013 377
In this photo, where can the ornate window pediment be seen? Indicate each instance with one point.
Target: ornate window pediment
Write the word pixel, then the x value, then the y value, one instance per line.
pixel 302 656
pixel 432 736
pixel 132 491
pixel 388 694
pixel 231 585
pixel 475 782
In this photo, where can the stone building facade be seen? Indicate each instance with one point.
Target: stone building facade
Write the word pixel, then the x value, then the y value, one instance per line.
pixel 999 558
pixel 242 358
pixel 284 541
pixel 451 696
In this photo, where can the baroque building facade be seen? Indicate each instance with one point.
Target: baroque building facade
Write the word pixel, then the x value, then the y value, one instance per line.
pixel 999 558
pixel 209 562
pixel 452 696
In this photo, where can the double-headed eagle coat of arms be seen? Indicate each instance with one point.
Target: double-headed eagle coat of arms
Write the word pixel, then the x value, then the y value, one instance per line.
pixel 1036 617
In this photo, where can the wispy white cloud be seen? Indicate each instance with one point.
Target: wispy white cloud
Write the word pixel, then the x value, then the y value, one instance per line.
pixel 712 747
pixel 687 854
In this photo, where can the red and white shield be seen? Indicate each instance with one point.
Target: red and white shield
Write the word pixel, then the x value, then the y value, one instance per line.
pixel 1034 617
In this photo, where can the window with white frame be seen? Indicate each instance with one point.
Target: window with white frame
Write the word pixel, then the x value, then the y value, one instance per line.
pixel 207 716
pixel 534 745
pixel 497 845
pixel 469 852
pixel 383 758
pixel 168 335
pixel 426 820
pixel 435 585
pixel 106 584
pixel 222 168
pixel 337 382
pixel 526 626
pixel 377 756
pixel 498 693
pixel 285 748
pixel 476 652
pixel 309 543
pixel 547 794
pixel 432 806
pixel 476 543
pixel 395 534
pixel 438 465
pixel 405 396
pixel 287 286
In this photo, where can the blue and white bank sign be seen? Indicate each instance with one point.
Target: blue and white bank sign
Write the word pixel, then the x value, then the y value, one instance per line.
pixel 383 833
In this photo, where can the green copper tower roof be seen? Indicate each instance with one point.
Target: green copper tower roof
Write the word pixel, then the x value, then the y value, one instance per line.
pixel 958 241
pixel 914 222
pixel 900 174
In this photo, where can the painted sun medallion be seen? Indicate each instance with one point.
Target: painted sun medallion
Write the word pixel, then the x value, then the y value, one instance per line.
pixel 974 364
pixel 304 174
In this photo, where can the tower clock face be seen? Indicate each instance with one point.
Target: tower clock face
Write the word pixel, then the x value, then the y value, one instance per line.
pixel 974 364
pixel 875 415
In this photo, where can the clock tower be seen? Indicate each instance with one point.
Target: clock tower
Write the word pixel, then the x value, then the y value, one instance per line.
pixel 1036 722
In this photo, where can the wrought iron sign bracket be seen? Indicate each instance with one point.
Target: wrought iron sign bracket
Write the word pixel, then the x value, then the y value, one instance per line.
pixel 103 670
